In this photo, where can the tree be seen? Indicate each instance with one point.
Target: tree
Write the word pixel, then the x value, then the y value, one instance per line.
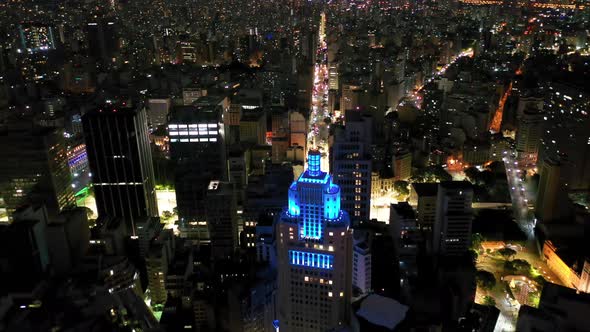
pixel 509 267
pixel 488 300
pixel 89 212
pixel 497 167
pixel 540 280
pixel 402 187
pixel 431 174
pixel 486 178
pixel 471 173
pixel 476 240
pixel 485 279
pixel 534 299
pixel 507 253
pixel 522 266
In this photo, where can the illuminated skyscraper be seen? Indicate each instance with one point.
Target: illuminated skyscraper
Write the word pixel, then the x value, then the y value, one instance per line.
pixel 197 148
pixel 352 165
pixel 314 254
pixel 120 160
pixel 36 38
pixel 34 169
pixel 529 134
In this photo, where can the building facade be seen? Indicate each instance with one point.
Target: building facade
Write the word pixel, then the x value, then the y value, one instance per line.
pixel 352 165
pixel 197 149
pixel 34 169
pixel 314 254
pixel 454 217
pixel 120 159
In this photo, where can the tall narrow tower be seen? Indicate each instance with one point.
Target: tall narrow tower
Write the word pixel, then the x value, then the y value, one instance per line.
pixel 314 254
pixel 121 163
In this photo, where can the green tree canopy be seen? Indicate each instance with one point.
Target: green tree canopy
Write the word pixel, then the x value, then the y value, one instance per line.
pixel 402 187
pixel 521 265
pixel 507 253
pixel 488 300
pixel 485 279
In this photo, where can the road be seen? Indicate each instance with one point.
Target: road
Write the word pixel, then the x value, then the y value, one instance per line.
pixel 318 129
pixel 519 195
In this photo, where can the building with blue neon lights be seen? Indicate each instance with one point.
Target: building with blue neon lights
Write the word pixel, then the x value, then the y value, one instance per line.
pixel 314 254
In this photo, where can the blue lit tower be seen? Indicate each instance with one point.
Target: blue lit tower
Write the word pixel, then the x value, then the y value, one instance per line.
pixel 314 254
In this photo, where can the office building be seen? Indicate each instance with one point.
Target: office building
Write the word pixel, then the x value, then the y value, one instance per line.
pixel 404 231
pixel 549 194
pixel 402 164
pixel 157 262
pixel 361 267
pixel 529 134
pixel 352 166
pixel 314 254
pixel 157 111
pixel 191 94
pixel 197 149
pixel 349 99
pixel 103 41
pixel 253 126
pixel 298 130
pixel 423 196
pixel 120 160
pixel 333 82
pixel 36 38
pixel 34 169
pixel 222 219
pixel 454 216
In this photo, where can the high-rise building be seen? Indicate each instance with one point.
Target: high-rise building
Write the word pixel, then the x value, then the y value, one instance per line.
pixel 36 38
pixel 103 42
pixel 253 126
pixel 197 149
pixel 529 134
pixel 298 130
pixel 361 267
pixel 404 231
pixel 158 109
pixel 566 137
pixel 454 216
pixel 550 191
pixel 352 166
pixel 350 97
pixel 333 76
pixel 402 164
pixel 314 254
pixel 424 197
pixel 34 169
pixel 222 219
pixel 120 159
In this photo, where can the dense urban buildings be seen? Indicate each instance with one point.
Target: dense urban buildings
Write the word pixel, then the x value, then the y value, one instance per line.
pixel 342 165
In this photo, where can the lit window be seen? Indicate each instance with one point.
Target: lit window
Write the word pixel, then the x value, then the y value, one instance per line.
pixel 329 294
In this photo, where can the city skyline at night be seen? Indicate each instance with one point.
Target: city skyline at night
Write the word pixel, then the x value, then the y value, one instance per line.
pixel 292 165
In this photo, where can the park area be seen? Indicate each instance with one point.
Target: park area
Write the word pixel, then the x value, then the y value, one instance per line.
pixel 509 274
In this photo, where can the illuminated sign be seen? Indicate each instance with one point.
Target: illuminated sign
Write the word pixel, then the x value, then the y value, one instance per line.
pixel 311 259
